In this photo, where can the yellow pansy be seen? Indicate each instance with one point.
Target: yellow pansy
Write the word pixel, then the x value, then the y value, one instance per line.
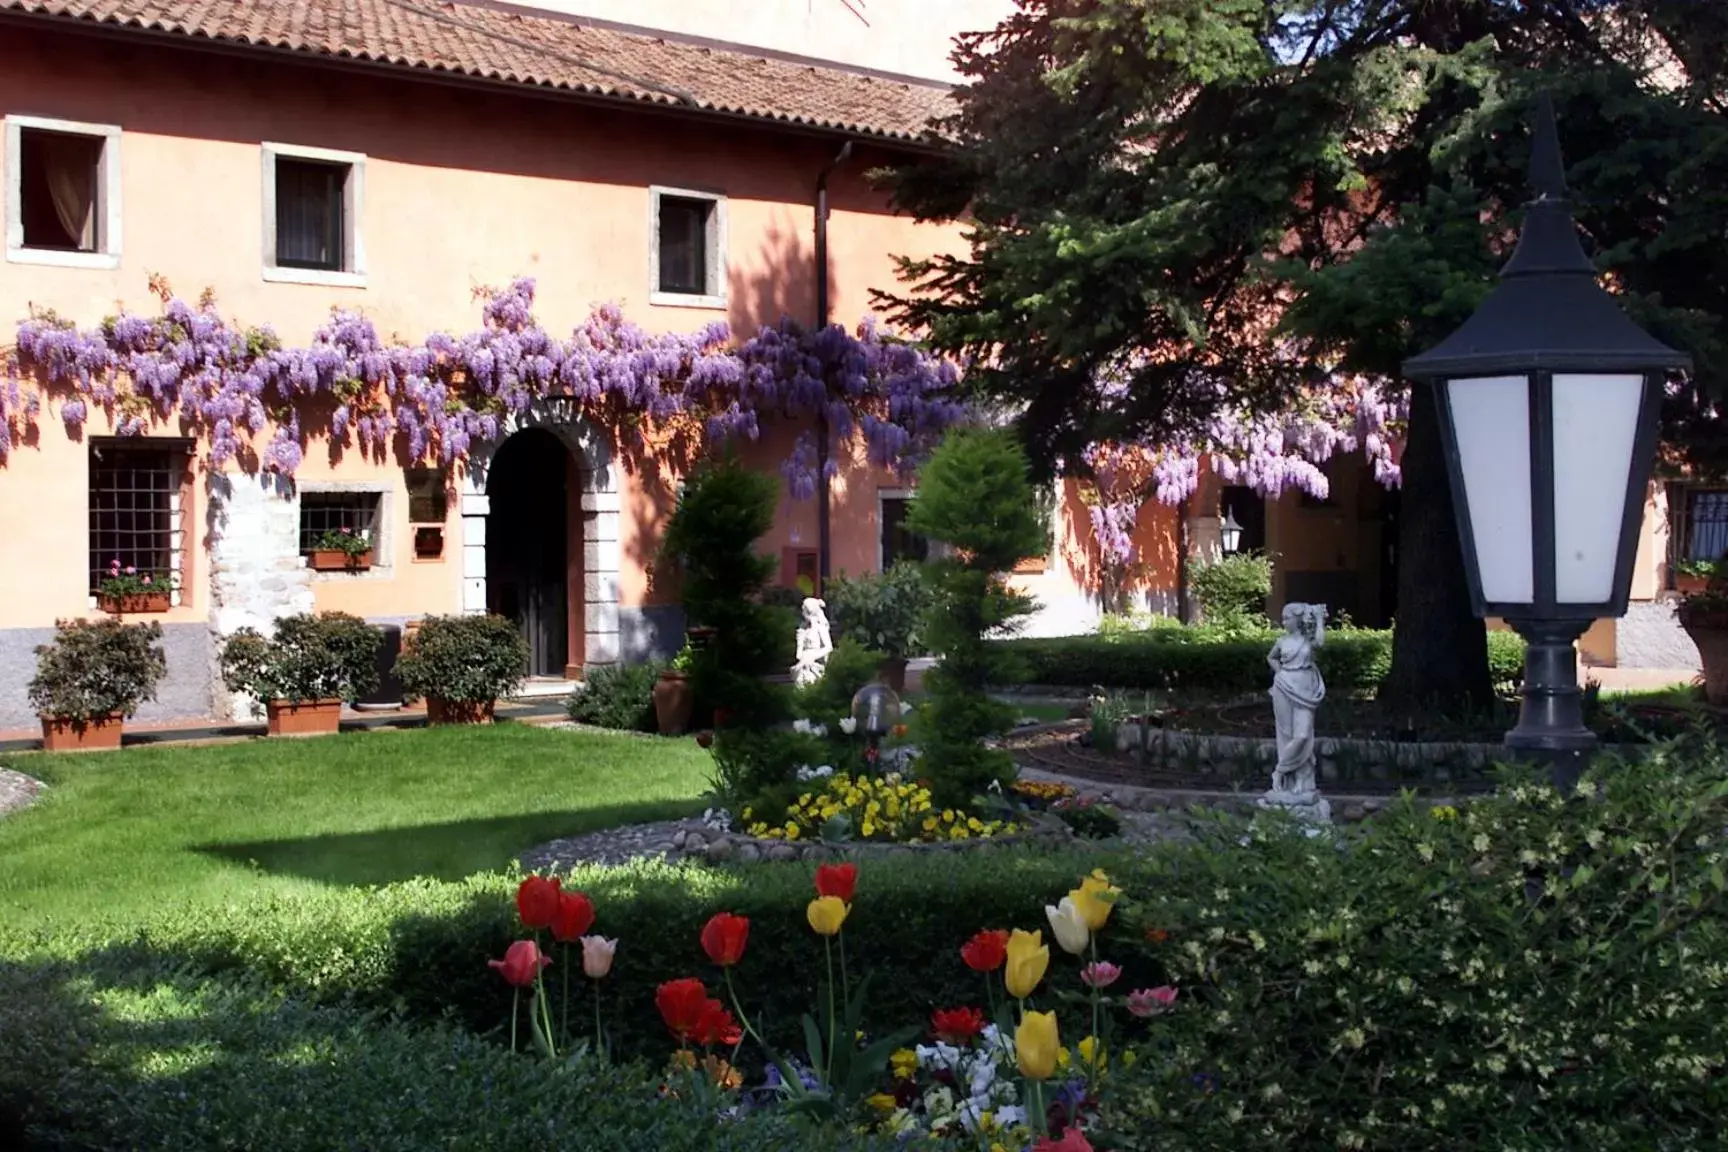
pixel 904 1062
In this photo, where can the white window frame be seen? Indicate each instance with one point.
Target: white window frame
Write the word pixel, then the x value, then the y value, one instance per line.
pixel 353 274
pixel 107 254
pixel 383 535
pixel 717 239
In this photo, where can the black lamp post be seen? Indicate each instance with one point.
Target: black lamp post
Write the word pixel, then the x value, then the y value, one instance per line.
pixel 1230 533
pixel 1549 398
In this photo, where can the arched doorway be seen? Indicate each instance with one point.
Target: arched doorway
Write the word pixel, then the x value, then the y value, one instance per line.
pixel 528 544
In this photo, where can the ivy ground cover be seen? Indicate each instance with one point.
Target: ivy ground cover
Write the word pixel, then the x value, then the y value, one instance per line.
pixel 117 837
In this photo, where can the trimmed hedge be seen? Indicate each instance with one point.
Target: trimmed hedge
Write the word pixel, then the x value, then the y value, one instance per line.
pixel 1197 659
pixel 421 947
pixel 107 1053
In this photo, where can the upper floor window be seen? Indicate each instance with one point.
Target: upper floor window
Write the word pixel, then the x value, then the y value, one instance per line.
pixel 898 542
pixel 312 214
pixel 688 261
pixel 62 193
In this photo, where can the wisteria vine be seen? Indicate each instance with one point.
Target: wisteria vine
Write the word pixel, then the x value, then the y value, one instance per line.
pixel 439 397
pixel 1269 453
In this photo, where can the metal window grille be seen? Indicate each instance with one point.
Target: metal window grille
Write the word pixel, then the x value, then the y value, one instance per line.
pixel 322 512
pixel 1703 530
pixel 134 509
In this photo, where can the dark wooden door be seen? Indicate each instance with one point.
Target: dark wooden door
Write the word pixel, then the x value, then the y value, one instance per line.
pixel 527 545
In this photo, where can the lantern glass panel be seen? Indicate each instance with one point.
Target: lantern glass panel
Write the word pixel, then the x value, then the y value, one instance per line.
pixel 1491 423
pixel 1595 424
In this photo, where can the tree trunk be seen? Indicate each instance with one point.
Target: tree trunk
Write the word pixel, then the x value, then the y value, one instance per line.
pixel 1439 647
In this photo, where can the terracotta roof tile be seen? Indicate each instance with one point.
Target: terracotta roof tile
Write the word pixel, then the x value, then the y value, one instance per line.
pixel 536 49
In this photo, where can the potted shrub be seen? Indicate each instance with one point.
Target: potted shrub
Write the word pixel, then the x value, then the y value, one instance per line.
pixel 883 612
pixel 462 665
pixel 302 675
pixel 673 698
pixel 93 677
pixel 341 550
pixel 127 591
pixel 1704 616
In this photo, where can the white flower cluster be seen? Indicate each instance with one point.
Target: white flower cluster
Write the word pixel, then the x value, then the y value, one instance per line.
pixel 717 818
pixel 811 728
pixel 991 1099
pixel 807 773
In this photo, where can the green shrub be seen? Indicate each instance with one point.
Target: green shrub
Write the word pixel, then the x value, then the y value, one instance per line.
pixel 1233 587
pixel 1132 625
pixel 420 947
pixel 1528 971
pixel 973 494
pixel 882 611
pixel 110 1054
pixel 310 657
pixel 618 696
pixel 95 668
pixel 1207 660
pixel 464 659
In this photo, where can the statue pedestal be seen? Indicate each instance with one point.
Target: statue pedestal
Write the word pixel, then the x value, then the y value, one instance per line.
pixel 1309 806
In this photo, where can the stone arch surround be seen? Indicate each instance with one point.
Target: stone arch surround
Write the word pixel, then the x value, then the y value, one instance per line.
pixel 601 505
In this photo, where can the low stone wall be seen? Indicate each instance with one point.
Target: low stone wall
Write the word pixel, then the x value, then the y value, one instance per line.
pixel 1339 758
pixel 697 841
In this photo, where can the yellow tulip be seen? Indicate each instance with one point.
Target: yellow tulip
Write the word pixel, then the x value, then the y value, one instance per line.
pixel 1094 899
pixel 826 914
pixel 1028 957
pixel 1035 1045
pixel 1069 926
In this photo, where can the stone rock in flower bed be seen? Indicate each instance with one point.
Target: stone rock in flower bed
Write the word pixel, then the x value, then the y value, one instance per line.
pixel 18 791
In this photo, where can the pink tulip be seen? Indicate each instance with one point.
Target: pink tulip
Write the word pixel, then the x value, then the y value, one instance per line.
pixel 597 952
pixel 1100 974
pixel 521 964
pixel 1151 1001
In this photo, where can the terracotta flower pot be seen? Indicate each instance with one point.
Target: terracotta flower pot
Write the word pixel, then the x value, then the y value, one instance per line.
pixel 100 734
pixel 441 711
pixel 893 673
pixel 1711 637
pixel 138 604
pixel 335 560
pixel 304 717
pixel 673 703
pixel 1685 582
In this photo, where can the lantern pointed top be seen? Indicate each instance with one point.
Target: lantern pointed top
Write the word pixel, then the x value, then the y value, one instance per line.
pixel 1547 170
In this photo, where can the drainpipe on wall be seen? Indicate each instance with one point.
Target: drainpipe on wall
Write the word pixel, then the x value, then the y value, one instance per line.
pixel 1182 545
pixel 822 531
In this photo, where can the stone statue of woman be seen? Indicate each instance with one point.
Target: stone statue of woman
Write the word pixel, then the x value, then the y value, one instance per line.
pixel 1297 690
pixel 815 644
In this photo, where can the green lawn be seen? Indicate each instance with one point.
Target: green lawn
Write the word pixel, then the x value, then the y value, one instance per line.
pixel 119 834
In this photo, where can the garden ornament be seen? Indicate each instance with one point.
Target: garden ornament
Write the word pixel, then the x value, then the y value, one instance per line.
pixel 1297 690
pixel 815 644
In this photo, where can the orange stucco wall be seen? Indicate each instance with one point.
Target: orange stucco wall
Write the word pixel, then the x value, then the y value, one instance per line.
pixel 463 187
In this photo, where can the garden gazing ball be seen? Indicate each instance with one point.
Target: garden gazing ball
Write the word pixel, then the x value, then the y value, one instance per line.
pixel 876 709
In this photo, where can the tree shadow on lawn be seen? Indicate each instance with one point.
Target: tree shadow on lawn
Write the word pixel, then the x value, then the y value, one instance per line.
pixel 449 851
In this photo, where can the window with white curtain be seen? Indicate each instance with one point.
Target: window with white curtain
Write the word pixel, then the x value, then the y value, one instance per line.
pixel 312 215
pixel 62 192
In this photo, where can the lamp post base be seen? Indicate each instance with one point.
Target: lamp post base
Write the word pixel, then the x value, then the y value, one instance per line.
pixel 1551 718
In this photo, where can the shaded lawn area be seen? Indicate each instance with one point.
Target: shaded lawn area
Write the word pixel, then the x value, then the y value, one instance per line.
pixel 120 834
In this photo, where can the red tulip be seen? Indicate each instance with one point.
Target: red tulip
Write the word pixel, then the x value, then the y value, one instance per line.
pixel 715 1025
pixel 956 1025
pixel 681 1004
pixel 704 739
pixel 838 880
pixel 537 901
pixel 574 917
pixel 521 964
pixel 986 952
pixel 723 938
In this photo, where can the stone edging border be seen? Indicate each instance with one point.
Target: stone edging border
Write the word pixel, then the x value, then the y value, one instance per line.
pixel 1260 751
pixel 699 841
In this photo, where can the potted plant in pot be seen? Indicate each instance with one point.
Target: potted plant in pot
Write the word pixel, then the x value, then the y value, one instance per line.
pixel 462 665
pixel 1704 616
pixel 883 612
pixel 91 678
pixel 673 698
pixel 124 590
pixel 1691 576
pixel 341 550
pixel 302 675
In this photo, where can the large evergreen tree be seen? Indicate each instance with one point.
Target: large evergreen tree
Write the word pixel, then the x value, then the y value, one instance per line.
pixel 1178 204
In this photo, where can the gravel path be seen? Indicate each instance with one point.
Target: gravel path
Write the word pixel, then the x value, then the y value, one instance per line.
pixel 18 791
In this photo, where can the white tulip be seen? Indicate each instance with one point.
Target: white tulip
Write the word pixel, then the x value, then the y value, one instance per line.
pixel 1069 926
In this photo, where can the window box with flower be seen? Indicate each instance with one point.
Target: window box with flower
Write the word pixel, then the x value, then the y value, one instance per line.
pixel 340 550
pixel 124 590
